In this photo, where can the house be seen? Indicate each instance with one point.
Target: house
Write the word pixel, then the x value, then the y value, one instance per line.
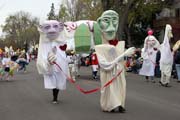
pixel 169 16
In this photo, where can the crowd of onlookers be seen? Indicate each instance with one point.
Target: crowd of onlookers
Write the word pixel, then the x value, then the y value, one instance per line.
pixel 12 61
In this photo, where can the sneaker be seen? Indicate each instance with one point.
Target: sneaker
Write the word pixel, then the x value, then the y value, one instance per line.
pixel 54 102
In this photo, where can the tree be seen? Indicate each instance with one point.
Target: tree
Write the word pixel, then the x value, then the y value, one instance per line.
pixel 68 10
pixel 135 16
pixel 51 15
pixel 63 13
pixel 20 28
pixel 80 10
pixel 89 9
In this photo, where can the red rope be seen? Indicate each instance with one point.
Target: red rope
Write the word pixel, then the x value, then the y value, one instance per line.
pixel 88 91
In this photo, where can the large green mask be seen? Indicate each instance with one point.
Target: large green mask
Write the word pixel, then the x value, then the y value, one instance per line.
pixel 108 23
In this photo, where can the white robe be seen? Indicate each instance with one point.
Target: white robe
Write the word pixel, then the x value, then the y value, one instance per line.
pixel 149 56
pixel 114 95
pixel 166 60
pixel 53 76
pixel 149 62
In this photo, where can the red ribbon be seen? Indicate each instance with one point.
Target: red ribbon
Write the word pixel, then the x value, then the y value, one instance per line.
pixel 88 91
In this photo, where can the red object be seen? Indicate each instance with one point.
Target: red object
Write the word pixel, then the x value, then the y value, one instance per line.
pixel 150 32
pixel 113 42
pixel 94 59
pixel 63 47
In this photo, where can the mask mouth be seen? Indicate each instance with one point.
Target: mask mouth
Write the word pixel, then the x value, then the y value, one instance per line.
pixel 109 35
pixel 110 32
pixel 52 35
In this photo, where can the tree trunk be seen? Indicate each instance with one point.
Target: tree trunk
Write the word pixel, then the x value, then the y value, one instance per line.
pixel 128 34
pixel 105 4
pixel 124 19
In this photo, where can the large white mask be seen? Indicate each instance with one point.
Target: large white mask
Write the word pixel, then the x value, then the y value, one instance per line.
pixel 52 29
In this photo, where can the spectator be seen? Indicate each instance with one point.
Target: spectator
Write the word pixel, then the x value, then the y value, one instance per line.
pixel 177 64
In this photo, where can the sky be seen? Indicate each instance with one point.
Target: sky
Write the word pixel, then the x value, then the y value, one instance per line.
pixel 37 8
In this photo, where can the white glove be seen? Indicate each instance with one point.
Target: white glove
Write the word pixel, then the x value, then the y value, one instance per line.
pixel 130 51
pixel 51 57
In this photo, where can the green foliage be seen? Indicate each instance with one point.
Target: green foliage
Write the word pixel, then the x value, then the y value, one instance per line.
pixel 136 16
pixel 140 18
pixel 73 10
pixel 63 13
pixel 51 15
pixel 20 28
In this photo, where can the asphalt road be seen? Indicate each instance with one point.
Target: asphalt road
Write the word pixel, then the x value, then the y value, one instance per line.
pixel 25 98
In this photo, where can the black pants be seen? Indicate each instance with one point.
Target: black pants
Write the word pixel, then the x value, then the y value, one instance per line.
pixel 55 94
pixel 94 74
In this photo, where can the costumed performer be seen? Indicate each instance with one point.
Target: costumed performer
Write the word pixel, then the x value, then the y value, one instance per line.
pixel 52 48
pixel 94 63
pixel 166 60
pixel 110 56
pixel 148 54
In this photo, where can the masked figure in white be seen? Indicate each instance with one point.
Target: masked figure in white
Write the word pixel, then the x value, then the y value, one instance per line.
pixel 110 56
pixel 166 60
pixel 72 65
pixel 148 54
pixel 52 48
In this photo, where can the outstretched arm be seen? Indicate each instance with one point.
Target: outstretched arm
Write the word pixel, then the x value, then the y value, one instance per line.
pixel 105 65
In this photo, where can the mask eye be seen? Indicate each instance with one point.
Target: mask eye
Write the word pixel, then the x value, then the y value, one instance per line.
pixel 47 27
pixel 106 20
pixel 55 26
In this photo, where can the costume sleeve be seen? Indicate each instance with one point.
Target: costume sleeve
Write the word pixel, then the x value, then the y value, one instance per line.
pixel 104 57
pixel 42 64
pixel 44 67
pixel 107 66
pixel 104 64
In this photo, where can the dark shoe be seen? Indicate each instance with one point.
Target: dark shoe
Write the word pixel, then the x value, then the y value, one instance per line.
pixel 121 109
pixel 178 81
pixel 167 85
pixel 161 83
pixel 112 111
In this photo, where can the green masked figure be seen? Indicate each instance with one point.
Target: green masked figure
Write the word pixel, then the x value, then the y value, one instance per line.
pixel 108 23
pixel 110 56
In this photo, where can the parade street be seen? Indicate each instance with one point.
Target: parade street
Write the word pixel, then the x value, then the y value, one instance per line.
pixel 25 98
